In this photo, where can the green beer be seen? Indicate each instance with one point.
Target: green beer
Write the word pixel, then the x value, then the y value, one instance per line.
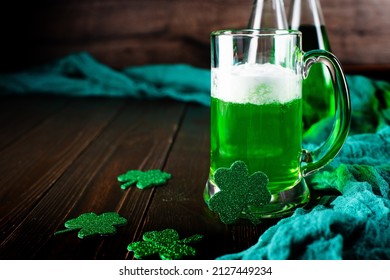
pixel 256 118
pixel 262 126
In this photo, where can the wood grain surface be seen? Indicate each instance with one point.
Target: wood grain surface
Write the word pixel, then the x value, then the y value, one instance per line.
pixel 122 33
pixel 64 161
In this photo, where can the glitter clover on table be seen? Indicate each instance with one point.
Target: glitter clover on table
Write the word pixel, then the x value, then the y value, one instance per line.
pixel 239 191
pixel 166 243
pixel 143 179
pixel 91 224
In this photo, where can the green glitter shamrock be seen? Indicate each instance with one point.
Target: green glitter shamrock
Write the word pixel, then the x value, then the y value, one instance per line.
pixel 166 243
pixel 238 193
pixel 143 179
pixel 92 224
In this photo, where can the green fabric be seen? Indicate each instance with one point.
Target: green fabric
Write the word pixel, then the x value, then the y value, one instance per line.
pixel 81 75
pixel 354 223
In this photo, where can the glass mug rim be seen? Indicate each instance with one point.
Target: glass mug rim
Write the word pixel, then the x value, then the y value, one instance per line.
pixel 262 32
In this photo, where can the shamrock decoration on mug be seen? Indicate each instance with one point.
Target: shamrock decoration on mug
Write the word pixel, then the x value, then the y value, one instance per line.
pixel 239 191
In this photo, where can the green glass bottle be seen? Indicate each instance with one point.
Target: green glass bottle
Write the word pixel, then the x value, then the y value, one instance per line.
pixel 268 14
pixel 265 14
pixel 318 101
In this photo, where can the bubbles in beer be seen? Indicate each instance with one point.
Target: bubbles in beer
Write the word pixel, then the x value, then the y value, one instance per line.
pixel 256 84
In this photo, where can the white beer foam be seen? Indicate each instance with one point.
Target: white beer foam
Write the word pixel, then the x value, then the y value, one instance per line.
pixel 256 84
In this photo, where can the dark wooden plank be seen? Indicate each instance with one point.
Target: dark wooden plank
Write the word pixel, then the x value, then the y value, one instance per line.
pixel 376 71
pixel 124 52
pixel 19 114
pixel 122 33
pixel 358 30
pixel 56 29
pixel 138 138
pixel 180 204
pixel 136 209
pixel 31 165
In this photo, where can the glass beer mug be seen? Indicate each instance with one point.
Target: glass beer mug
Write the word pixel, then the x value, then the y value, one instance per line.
pixel 256 113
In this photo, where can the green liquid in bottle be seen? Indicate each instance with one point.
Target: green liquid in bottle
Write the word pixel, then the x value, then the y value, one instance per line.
pixel 317 88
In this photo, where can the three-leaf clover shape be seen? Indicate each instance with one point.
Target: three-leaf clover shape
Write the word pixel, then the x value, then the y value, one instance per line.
pixel 239 192
pixel 166 243
pixel 143 179
pixel 91 224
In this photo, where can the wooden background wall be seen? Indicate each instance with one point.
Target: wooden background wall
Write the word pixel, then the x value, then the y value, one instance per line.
pixel 135 32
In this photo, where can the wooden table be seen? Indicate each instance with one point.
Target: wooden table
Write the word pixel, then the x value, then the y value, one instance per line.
pixel 60 157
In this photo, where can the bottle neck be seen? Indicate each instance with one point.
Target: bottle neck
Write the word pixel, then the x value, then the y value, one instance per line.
pixel 306 16
pixel 305 12
pixel 268 14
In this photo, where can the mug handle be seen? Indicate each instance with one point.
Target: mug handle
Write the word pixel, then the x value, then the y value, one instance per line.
pixel 328 150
